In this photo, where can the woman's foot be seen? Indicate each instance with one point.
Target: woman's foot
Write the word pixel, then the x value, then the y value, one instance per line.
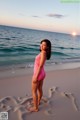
pixel 32 103
pixel 33 109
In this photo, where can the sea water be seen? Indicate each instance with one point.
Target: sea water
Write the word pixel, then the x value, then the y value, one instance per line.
pixel 19 47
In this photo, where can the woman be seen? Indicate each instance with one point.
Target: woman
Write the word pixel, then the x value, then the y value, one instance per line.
pixel 39 73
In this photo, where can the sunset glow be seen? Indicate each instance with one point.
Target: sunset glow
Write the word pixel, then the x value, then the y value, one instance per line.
pixel 74 33
pixel 64 18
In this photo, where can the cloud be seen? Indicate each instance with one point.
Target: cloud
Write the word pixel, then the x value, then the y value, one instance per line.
pixel 55 15
pixel 35 16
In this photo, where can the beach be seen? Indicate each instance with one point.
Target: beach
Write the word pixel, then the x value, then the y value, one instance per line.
pixel 61 94
pixel 22 28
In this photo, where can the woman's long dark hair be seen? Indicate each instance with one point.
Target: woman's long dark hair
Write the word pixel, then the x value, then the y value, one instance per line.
pixel 48 50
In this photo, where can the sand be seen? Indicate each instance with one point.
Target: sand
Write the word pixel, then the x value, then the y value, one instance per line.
pixel 61 95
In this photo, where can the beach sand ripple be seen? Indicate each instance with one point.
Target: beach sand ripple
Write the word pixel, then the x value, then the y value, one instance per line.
pixel 21 104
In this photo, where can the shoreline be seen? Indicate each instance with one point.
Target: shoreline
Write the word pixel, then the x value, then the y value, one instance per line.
pixel 24 71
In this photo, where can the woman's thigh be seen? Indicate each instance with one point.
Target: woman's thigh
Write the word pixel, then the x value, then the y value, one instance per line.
pixel 34 86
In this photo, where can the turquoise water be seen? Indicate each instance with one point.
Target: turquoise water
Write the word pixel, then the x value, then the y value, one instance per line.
pixel 19 46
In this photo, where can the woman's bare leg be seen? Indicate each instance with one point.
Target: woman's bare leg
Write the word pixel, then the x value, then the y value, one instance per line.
pixel 35 97
pixel 40 91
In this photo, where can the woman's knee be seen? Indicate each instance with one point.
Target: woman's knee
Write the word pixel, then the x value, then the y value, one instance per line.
pixel 34 87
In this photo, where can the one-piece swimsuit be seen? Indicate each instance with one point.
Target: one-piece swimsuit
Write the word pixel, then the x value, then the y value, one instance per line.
pixel 42 73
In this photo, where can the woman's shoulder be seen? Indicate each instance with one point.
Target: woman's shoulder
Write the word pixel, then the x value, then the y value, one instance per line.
pixel 43 53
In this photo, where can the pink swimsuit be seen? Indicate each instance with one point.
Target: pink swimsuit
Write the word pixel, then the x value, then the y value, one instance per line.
pixel 36 65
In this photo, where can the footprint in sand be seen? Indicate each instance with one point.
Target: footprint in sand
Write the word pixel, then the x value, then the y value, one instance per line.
pixel 21 104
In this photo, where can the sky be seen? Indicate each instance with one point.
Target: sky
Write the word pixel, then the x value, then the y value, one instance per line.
pixel 50 15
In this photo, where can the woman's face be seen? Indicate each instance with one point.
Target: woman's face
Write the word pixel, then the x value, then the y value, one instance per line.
pixel 43 46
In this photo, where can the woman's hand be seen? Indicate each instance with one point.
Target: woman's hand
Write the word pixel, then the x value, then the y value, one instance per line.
pixel 34 80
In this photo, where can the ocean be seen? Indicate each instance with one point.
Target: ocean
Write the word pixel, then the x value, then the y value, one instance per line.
pixel 19 46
